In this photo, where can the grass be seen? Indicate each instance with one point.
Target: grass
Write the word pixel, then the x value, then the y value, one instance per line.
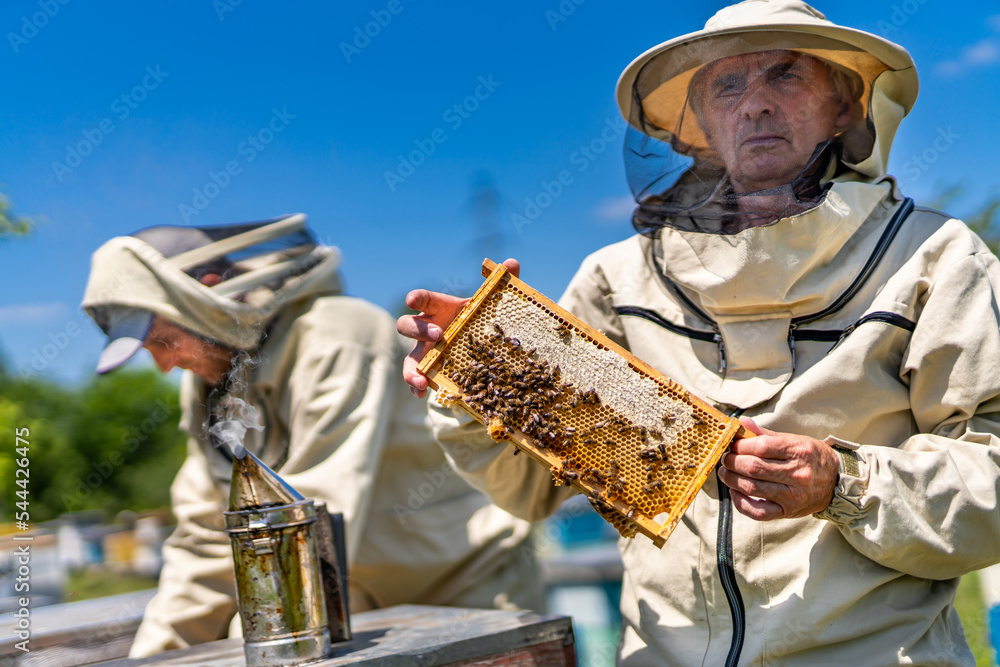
pixel 95 582
pixel 972 610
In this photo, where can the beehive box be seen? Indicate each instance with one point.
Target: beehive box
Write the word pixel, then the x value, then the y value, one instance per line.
pixel 634 441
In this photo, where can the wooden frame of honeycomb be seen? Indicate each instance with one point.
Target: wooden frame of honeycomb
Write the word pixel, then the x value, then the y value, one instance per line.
pixel 633 440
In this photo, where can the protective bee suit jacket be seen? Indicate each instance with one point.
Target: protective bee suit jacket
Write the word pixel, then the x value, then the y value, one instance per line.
pixel 339 426
pixel 911 387
pixel 856 321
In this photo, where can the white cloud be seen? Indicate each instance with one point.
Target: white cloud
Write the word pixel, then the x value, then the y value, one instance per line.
pixel 994 22
pixel 981 54
pixel 615 209
pixel 32 313
pixel 949 68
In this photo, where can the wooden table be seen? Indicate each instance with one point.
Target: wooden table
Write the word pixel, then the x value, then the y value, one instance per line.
pixel 76 633
pixel 416 635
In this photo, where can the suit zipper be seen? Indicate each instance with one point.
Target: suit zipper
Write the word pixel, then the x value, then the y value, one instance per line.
pixel 727 574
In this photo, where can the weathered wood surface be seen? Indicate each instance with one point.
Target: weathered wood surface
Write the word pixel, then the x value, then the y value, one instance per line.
pixel 76 633
pixel 417 635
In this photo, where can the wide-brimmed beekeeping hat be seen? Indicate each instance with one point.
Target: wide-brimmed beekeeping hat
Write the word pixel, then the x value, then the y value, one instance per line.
pixel 658 81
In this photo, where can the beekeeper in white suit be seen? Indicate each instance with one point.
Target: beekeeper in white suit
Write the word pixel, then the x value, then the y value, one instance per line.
pixel 780 274
pixel 256 312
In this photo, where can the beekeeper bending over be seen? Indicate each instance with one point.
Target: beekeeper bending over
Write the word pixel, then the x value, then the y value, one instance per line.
pixel 256 312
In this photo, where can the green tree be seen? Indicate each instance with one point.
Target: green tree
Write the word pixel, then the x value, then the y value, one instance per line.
pixel 111 444
pixel 10 223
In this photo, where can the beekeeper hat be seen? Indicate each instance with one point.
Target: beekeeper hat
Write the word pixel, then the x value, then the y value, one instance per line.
pixel 158 271
pixel 658 80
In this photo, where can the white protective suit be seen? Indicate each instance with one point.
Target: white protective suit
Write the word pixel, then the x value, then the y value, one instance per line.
pixel 855 321
pixel 339 426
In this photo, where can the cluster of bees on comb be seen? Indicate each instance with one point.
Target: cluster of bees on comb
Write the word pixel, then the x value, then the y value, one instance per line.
pixel 513 390
pixel 636 443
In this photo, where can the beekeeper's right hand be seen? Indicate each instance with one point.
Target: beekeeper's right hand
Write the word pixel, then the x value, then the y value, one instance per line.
pixel 437 310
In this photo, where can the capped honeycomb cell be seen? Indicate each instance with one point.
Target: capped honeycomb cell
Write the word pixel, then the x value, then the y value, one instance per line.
pixel 634 441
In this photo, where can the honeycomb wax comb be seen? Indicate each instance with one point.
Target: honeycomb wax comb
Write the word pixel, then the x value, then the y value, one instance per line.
pixel 635 442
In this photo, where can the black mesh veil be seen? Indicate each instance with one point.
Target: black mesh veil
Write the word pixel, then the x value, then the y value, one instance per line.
pixel 718 143
pixel 251 254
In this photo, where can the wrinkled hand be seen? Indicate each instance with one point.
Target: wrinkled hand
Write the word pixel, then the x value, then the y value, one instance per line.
pixel 779 475
pixel 427 328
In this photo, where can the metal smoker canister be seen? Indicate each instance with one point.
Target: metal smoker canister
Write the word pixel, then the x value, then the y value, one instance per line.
pixel 278 575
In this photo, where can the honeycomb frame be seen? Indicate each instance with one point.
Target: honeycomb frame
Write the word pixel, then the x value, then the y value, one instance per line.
pixel 635 442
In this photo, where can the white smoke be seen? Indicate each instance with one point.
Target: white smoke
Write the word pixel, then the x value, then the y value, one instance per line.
pixel 240 416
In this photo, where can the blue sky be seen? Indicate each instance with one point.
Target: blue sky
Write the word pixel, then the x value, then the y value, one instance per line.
pixel 124 115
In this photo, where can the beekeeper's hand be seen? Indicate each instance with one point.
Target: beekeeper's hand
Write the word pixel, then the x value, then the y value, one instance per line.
pixel 437 310
pixel 779 475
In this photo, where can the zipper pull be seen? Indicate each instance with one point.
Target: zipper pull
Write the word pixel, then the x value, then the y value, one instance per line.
pixel 722 350
pixel 844 334
pixel 791 342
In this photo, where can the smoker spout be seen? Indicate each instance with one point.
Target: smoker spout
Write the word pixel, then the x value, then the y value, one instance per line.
pixel 254 485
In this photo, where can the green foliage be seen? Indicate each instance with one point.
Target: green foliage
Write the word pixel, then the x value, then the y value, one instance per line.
pixel 10 223
pixel 95 582
pixel 972 610
pixel 112 444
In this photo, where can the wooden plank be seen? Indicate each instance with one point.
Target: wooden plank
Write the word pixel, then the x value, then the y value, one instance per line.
pixel 549 654
pixel 409 635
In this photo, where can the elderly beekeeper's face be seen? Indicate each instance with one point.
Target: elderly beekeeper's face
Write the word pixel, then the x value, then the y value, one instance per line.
pixel 764 114
pixel 172 347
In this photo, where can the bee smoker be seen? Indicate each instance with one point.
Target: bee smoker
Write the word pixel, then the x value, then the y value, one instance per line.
pixel 290 568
